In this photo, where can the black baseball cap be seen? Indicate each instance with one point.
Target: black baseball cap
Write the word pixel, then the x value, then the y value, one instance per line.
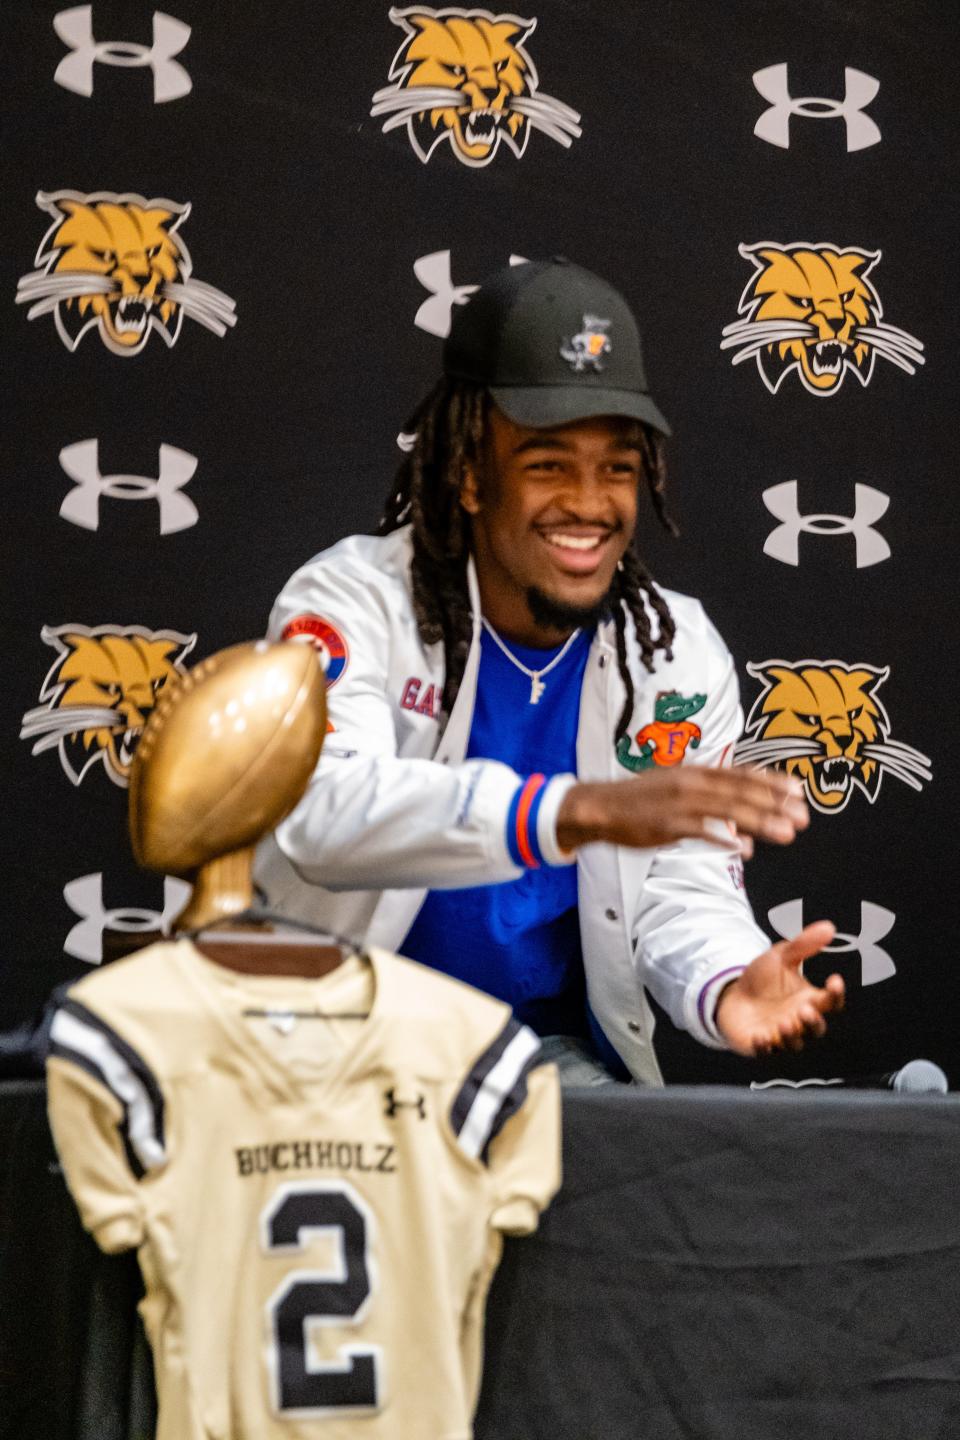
pixel 552 343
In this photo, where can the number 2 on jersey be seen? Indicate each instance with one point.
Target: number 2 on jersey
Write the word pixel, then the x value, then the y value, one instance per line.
pixel 337 1296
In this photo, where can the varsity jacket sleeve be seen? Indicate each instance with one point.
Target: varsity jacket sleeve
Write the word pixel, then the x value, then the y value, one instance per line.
pixel 694 925
pixel 374 819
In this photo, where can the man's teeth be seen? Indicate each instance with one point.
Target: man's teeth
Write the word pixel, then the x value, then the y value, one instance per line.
pixel 576 542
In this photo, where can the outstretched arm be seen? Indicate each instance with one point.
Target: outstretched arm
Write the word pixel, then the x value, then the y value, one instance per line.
pixel 661 807
pixel 699 947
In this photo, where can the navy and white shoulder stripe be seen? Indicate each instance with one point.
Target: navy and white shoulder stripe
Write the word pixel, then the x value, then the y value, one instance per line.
pixel 495 1089
pixel 81 1037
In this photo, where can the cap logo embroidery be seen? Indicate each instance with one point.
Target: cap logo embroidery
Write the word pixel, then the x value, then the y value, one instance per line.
pixel 587 348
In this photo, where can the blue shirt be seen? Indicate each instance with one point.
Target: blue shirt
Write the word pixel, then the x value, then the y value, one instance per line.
pixel 520 940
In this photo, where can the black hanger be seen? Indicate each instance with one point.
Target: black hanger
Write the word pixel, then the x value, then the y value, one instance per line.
pixel 261 914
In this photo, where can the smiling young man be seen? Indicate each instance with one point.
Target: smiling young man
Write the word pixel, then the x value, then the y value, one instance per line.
pixel 527 784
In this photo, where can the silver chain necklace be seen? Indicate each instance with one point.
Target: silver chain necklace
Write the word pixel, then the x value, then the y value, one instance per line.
pixel 537 686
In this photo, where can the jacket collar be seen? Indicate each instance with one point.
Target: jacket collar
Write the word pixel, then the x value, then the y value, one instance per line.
pixel 605 638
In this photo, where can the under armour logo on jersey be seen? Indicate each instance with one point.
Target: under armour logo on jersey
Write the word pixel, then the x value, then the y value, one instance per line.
pixel 85 898
pixel 783 542
pixel 433 272
pixel 393 1104
pixel 774 124
pixel 82 505
pixel 75 71
pixel 875 924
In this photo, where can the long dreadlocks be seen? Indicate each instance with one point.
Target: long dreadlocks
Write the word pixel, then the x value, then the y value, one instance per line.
pixel 450 428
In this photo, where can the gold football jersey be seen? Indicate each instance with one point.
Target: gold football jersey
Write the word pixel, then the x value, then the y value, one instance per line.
pixel 317 1175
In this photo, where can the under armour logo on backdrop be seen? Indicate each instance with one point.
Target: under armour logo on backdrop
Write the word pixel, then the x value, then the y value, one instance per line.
pixel 82 505
pixel 774 124
pixel 783 542
pixel 434 273
pixel 875 924
pixel 75 72
pixel 85 898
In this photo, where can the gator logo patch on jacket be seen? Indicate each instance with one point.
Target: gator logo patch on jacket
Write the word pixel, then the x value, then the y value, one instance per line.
pixel 665 739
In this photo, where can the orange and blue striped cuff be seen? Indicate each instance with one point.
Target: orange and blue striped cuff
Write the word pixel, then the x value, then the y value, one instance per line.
pixel 522 838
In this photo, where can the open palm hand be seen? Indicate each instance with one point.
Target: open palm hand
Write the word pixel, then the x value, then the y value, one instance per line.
pixel 771 1006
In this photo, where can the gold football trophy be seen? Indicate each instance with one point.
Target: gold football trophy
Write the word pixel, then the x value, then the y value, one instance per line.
pixel 226 754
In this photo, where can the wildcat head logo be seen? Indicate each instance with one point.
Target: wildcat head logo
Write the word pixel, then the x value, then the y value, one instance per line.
pixel 99 692
pixel 811 310
pixel 665 739
pixel 118 265
pixel 465 76
pixel 821 720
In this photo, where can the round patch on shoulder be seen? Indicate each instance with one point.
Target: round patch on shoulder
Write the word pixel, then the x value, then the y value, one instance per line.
pixel 325 639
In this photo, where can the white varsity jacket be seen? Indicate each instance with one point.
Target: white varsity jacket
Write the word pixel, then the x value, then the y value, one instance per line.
pixel 393 808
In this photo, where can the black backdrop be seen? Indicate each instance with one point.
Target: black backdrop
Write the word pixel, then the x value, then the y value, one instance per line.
pixel 311 219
